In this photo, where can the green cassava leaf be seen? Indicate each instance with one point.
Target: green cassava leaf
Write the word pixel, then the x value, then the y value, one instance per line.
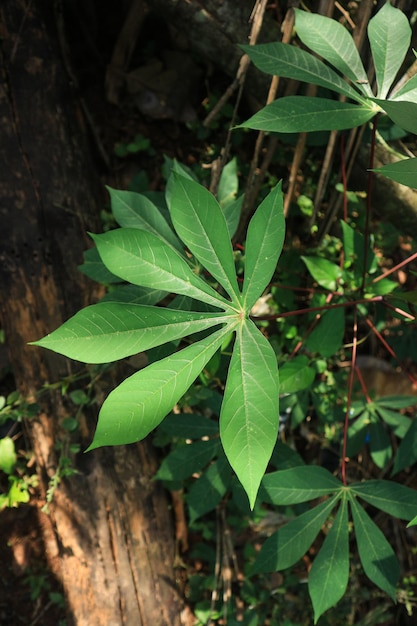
pixel 189 426
pixel 389 36
pixel 134 295
pixel 393 498
pixel 143 259
pixel 327 336
pixel 188 459
pixel 134 210
pixel 228 184
pixel 249 414
pixel 379 444
pixel 109 331
pixel 408 91
pixel 326 273
pixel 296 375
pixel 403 172
pixel 396 402
pixel 264 243
pixel 94 268
pixel 141 402
pixel 332 41
pixel 407 450
pixel 329 574
pixel 207 491
pixel 291 542
pixel 377 557
pixel 8 456
pixel 404 114
pixel 398 422
pixel 291 62
pixel 200 222
pixel 298 484
pixel 413 522
pixel 230 204
pixel 299 114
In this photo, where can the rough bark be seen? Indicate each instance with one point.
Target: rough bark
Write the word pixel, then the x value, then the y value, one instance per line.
pixel 109 536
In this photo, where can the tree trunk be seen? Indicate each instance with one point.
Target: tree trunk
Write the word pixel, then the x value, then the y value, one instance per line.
pixel 109 535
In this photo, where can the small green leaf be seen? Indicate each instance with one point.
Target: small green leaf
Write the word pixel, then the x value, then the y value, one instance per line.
pixel 332 41
pixel 326 273
pixel 407 450
pixel 329 574
pixel 141 402
pixel 377 557
pixel 200 222
pixel 408 91
pixel 287 61
pixel 228 184
pixel 207 491
pixel 189 426
pixel 249 414
pixel 398 422
pixel 291 542
pixel 413 522
pixel 389 36
pixel 186 460
pixel 264 243
pixel 296 375
pixel 143 259
pixel 7 455
pixel 298 484
pixel 395 499
pixel 327 337
pixel 94 268
pixel 299 114
pixel 134 210
pixel 106 332
pixel 379 444
pixel 403 172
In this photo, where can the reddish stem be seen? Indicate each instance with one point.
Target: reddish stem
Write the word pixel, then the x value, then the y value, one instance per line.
pixel 349 398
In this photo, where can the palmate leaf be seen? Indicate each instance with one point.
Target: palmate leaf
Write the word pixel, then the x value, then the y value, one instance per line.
pixel 109 331
pixel 290 62
pixel 141 402
pixel 249 414
pixel 389 36
pixel 299 114
pixel 264 241
pixel 200 222
pixel 143 259
pixel 377 557
pixel 329 574
pixel 115 329
pixel 332 41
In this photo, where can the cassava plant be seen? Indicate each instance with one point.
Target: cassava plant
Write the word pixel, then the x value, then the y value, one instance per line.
pixel 147 260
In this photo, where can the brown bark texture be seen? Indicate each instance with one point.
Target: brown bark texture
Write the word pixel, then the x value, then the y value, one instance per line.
pixel 109 535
